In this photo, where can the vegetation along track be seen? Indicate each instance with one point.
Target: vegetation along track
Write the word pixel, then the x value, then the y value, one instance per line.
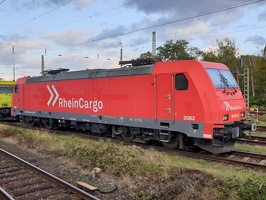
pixel 235 158
pixel 255 140
pixel 22 180
pixel 246 159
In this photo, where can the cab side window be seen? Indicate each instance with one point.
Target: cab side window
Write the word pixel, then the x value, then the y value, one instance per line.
pixel 181 82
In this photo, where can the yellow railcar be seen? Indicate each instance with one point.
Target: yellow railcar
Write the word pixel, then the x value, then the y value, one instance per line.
pixel 6 89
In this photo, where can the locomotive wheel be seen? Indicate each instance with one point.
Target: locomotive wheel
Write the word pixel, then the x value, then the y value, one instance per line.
pixel 28 120
pixel 47 124
pixel 123 132
pixel 174 142
pixel 127 136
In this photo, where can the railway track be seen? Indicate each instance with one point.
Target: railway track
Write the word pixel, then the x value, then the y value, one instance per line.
pixel 22 180
pixel 246 159
pixel 236 158
pixel 256 140
pixel 261 128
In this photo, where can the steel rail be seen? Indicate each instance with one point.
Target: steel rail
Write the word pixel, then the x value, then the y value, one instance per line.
pixel 228 159
pixel 251 141
pixel 6 194
pixel 261 128
pixel 175 152
pixel 70 187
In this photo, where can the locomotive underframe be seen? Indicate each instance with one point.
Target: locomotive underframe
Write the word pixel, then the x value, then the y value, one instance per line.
pixel 231 132
pixel 5 113
pixel 171 134
pixel 170 139
pixel 224 138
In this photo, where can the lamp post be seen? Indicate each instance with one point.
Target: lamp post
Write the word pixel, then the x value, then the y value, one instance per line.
pixel 14 73
pixel 42 64
pixel 121 54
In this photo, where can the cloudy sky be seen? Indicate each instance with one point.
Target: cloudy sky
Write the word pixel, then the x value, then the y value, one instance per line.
pixel 82 34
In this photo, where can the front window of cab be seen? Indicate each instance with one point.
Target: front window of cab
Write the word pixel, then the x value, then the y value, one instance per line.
pixel 222 78
pixel 6 89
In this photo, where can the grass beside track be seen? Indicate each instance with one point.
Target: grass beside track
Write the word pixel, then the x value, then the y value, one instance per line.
pixel 198 178
pixel 251 148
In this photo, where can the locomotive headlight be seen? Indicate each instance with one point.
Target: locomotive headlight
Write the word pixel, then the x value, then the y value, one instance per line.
pixel 225 117
pixel 242 114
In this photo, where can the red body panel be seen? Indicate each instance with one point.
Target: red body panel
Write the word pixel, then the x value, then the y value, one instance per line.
pixel 128 97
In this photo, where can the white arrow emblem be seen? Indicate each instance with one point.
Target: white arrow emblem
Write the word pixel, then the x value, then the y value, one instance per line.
pixel 52 95
pixel 227 105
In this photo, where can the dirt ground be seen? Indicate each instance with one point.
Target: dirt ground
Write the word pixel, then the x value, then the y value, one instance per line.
pixel 185 184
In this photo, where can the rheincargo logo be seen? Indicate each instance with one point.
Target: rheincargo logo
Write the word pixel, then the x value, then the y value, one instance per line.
pixel 229 107
pixel 52 92
pixel 95 104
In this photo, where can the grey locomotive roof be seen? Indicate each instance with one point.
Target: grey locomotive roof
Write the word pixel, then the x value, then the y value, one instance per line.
pixel 94 73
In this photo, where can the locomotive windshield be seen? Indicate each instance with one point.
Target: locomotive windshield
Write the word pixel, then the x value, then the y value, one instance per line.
pixel 6 89
pixel 222 78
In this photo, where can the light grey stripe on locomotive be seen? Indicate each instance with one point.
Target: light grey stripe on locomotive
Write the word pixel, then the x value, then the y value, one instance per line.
pixel 94 73
pixel 185 127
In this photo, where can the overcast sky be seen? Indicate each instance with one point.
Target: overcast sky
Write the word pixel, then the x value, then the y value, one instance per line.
pixel 82 34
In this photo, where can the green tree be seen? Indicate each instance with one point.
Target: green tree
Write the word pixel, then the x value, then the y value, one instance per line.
pixel 258 76
pixel 226 53
pixel 180 50
pixel 148 54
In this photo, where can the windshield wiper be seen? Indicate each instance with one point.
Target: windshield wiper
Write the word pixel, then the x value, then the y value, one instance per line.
pixel 225 82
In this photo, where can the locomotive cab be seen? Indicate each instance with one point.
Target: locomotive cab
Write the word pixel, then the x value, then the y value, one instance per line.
pixel 6 88
pixel 200 101
pixel 231 122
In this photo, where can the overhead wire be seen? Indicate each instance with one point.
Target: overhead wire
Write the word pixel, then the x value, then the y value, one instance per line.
pixel 161 24
pixel 217 24
pixel 158 25
pixel 16 10
pixel 90 16
pixel 18 58
pixel 145 28
pixel 75 21
pixel 38 17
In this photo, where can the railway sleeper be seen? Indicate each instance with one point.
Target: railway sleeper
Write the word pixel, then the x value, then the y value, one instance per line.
pixel 32 190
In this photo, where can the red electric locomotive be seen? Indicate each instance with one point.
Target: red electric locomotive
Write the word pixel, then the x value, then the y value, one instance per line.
pixel 179 103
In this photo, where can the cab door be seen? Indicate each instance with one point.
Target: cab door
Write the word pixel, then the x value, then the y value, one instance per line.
pixel 17 99
pixel 165 96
